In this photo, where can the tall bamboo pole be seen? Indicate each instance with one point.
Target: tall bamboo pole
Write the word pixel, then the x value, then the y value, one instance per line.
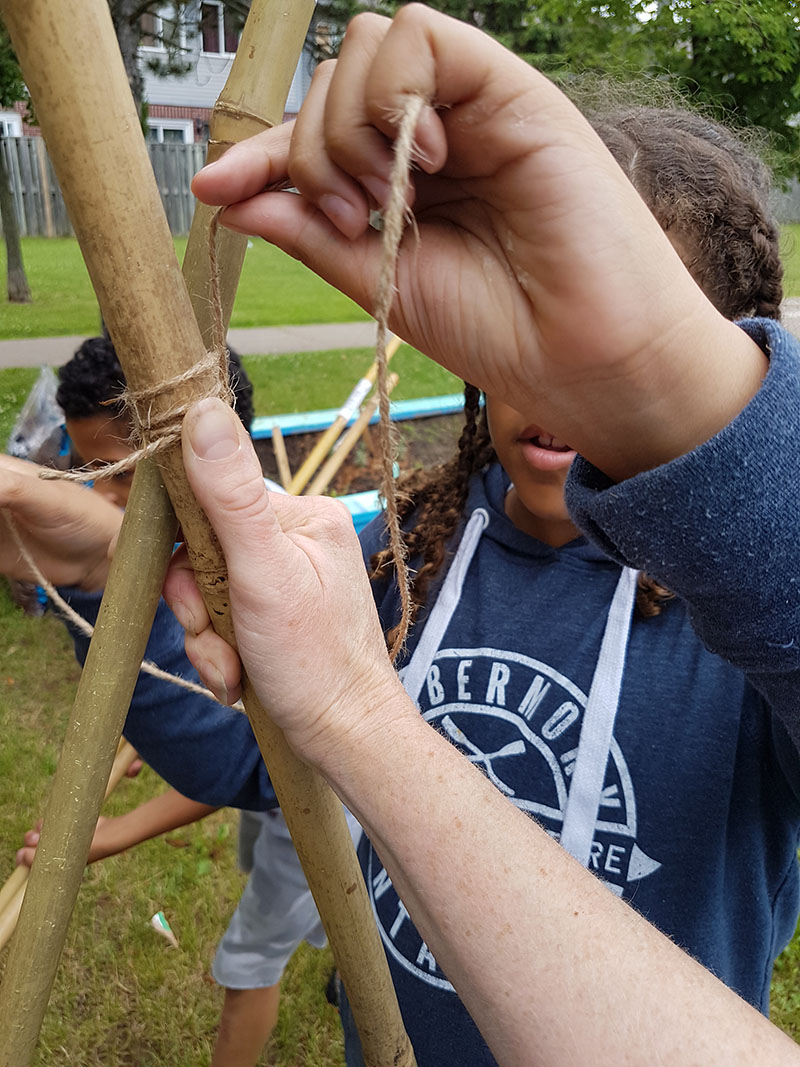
pixel 13 892
pixel 90 126
pixel 101 703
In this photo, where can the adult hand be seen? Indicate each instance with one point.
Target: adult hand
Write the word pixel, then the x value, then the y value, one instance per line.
pixel 67 530
pixel 305 622
pixel 538 273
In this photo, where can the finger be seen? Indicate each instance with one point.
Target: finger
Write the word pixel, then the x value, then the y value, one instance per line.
pixel 312 170
pixel 183 595
pixel 352 140
pixel 31 838
pixel 24 857
pixel 298 228
pixel 134 769
pixel 217 664
pixel 246 168
pixel 226 478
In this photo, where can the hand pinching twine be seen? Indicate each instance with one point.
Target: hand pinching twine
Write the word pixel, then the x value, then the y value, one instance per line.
pixel 394 219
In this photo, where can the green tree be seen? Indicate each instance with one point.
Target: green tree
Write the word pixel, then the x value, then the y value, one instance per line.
pixel 12 89
pixel 739 58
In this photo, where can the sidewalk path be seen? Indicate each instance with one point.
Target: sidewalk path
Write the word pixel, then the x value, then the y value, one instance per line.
pixel 268 340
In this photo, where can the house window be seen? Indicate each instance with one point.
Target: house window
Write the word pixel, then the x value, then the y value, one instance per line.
pixel 10 124
pixel 170 131
pixel 219 29
pixel 162 29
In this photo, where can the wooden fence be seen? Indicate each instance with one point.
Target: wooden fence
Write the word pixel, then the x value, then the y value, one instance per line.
pixel 40 206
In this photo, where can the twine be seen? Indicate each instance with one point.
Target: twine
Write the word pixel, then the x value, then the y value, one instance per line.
pixel 85 627
pixel 155 432
pixel 394 219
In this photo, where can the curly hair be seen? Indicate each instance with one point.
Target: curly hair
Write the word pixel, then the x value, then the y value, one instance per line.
pixel 711 194
pixel 92 383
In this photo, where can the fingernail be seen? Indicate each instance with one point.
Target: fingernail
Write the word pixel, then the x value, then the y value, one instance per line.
pixel 34 838
pixel 377 188
pixel 212 430
pixel 216 683
pixel 184 616
pixel 344 216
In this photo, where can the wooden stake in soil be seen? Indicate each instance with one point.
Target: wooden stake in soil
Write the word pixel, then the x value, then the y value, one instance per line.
pixel 329 437
pixel 69 56
pixel 279 448
pixel 348 442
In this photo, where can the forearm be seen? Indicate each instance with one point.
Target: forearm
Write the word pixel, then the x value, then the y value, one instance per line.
pixel 156 816
pixel 543 956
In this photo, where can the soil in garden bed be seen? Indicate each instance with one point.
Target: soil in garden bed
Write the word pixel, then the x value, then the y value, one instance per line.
pixel 422 443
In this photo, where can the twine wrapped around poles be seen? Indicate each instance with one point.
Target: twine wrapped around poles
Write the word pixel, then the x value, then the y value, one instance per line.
pixel 71 62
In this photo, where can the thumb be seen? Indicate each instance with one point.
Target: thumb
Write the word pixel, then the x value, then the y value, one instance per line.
pixel 225 476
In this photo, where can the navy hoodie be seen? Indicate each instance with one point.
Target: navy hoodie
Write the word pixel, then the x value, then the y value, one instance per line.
pixel 699 812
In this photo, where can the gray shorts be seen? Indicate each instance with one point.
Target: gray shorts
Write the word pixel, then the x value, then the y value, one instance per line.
pixel 276 910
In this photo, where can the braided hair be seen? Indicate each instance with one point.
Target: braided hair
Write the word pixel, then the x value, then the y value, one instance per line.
pixel 711 194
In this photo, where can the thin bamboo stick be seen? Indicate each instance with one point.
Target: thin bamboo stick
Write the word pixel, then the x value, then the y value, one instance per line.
pixel 348 442
pixel 116 212
pixel 279 448
pixel 13 891
pixel 15 880
pixel 328 438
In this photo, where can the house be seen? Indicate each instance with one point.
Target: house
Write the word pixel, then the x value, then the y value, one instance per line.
pixel 179 106
pixel 203 41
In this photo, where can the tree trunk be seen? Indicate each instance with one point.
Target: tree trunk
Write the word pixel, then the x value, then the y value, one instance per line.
pixel 17 285
pixel 125 16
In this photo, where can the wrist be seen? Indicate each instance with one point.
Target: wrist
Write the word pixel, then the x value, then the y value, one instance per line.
pixel 365 751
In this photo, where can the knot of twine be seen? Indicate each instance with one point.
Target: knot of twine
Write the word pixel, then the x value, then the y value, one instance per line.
pixel 394 219
pixel 153 432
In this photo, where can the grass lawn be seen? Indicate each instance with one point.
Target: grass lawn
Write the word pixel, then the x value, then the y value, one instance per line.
pixel 275 290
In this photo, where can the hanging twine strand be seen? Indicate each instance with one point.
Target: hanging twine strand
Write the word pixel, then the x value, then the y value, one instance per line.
pixel 151 432
pixel 81 624
pixel 394 220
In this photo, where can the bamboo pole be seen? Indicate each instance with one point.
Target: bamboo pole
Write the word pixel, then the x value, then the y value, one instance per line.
pixel 101 704
pixel 328 438
pixel 13 892
pixel 348 442
pixel 89 123
pixel 12 884
pixel 279 448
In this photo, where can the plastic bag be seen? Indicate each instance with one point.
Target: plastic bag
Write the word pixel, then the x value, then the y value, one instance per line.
pixel 38 433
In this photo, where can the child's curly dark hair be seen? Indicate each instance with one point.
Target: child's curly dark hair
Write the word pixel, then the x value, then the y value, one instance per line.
pixel 711 194
pixel 92 383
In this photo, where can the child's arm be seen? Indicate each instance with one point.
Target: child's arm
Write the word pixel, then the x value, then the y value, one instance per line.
pixel 67 530
pixel 156 816
pixel 721 528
